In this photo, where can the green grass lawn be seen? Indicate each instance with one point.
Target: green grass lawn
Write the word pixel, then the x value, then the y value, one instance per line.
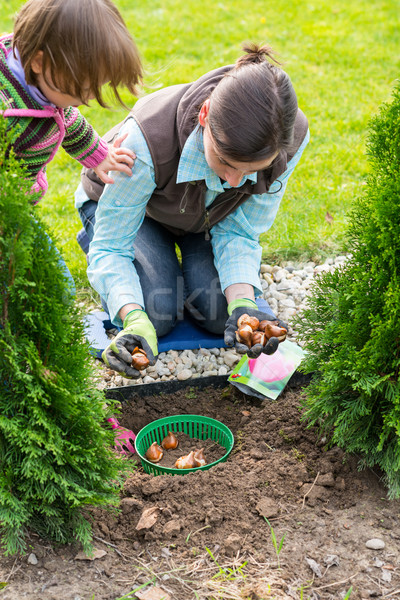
pixel 342 56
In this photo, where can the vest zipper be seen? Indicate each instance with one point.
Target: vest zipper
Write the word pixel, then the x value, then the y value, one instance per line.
pixel 207 225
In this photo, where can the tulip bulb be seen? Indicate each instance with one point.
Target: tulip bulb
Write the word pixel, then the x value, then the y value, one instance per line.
pixel 186 462
pixel 199 458
pixel 244 334
pixel 139 359
pixel 246 319
pixel 258 337
pixel 275 331
pixel 170 441
pixel 154 453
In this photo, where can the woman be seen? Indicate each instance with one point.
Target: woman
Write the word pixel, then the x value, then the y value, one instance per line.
pixel 213 160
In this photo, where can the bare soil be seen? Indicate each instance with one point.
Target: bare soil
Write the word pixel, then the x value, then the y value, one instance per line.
pixel 310 493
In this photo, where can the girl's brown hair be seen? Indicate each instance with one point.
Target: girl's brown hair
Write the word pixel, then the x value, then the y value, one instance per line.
pixel 85 43
pixel 253 108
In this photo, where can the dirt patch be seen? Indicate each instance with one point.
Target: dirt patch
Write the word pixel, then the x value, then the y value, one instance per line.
pixel 204 526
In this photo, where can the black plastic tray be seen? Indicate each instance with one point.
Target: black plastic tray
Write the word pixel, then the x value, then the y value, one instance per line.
pixel 171 386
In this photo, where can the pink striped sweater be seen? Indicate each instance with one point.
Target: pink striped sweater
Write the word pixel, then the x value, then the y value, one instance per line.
pixel 38 131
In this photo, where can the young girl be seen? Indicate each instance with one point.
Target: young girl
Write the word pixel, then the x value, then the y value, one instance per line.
pixel 61 54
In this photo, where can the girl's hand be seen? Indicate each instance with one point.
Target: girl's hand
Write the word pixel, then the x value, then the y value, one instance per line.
pixel 117 159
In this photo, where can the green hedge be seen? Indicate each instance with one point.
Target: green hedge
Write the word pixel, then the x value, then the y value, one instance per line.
pixel 352 325
pixel 55 455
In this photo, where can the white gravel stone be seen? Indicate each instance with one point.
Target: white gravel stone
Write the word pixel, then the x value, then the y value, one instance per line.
pixel 279 275
pixel 185 374
pixel 32 560
pixel 287 303
pixel 375 544
pixel 265 268
pixel 231 359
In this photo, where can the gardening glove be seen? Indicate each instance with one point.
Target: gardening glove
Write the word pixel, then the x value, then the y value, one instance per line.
pixel 242 306
pixel 138 331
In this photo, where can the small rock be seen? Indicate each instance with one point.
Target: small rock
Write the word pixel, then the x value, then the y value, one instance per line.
pixel 375 544
pixel 265 269
pixel 184 374
pixel 230 359
pixel 279 275
pixel 32 560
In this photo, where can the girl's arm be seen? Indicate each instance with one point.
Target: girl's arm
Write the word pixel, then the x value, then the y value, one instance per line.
pixel 84 145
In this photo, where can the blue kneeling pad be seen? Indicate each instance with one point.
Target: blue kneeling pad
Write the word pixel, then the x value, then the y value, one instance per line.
pixel 186 335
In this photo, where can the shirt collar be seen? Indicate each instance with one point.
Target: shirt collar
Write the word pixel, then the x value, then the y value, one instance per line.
pixel 15 66
pixel 193 165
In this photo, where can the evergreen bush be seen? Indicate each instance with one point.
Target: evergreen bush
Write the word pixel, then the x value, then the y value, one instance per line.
pixel 55 456
pixel 352 324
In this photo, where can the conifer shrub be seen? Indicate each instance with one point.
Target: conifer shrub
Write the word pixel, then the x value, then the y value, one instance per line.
pixel 55 456
pixel 351 327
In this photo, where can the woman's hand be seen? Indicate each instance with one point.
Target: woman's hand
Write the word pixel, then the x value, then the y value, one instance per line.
pixel 117 159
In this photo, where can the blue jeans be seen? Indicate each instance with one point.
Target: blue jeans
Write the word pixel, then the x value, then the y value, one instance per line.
pixel 168 286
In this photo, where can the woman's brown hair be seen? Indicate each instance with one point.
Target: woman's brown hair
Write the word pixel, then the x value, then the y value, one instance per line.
pixel 85 43
pixel 253 108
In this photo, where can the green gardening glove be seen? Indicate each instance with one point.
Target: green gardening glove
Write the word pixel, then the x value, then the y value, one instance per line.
pixel 138 331
pixel 241 306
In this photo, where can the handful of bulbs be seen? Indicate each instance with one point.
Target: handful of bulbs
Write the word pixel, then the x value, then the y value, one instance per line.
pixel 194 459
pixel 251 331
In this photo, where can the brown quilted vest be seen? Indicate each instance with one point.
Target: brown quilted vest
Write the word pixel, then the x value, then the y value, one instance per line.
pixel 166 119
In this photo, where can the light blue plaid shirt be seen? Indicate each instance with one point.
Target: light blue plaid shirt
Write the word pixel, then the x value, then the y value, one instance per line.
pixel 121 210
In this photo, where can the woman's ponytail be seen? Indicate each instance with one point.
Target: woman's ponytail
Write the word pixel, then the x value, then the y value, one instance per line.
pixel 255 54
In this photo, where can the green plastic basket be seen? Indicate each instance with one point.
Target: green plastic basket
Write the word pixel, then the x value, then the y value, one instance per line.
pixel 194 426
